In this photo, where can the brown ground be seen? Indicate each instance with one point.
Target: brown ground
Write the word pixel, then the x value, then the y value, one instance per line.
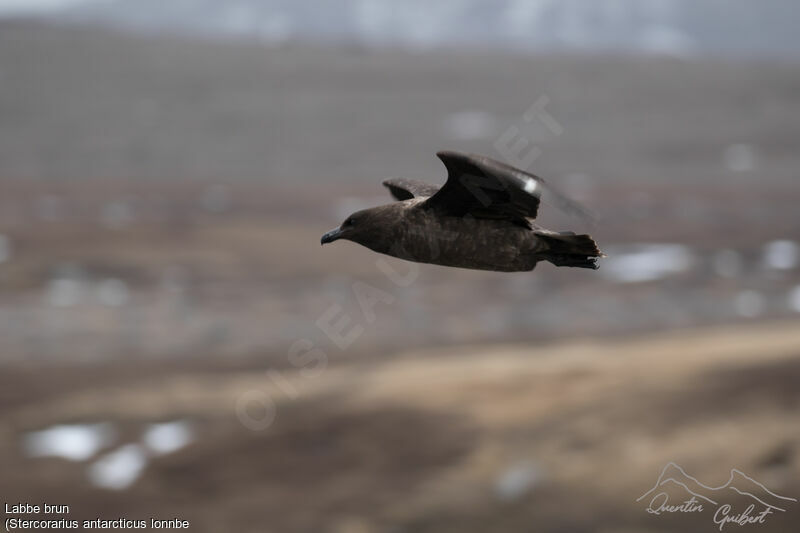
pixel 420 440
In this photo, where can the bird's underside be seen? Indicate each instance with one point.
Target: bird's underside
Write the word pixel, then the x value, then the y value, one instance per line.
pixel 481 218
pixel 484 243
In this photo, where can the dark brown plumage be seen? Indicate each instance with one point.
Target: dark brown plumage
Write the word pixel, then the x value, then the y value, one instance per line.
pixel 481 218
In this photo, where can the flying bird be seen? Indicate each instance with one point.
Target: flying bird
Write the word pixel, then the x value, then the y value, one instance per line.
pixel 481 218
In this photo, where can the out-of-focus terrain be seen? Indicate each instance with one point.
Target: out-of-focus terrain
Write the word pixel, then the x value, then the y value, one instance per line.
pixel 161 203
pixel 509 437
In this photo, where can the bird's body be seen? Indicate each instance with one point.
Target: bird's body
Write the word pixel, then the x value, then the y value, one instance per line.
pixel 480 219
pixel 468 242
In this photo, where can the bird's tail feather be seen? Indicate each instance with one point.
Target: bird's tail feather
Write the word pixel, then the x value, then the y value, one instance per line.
pixel 571 250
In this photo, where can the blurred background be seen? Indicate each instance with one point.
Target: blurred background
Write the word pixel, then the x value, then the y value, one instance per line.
pixel 167 168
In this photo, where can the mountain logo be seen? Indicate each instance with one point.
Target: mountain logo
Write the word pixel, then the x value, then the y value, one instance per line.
pixel 675 485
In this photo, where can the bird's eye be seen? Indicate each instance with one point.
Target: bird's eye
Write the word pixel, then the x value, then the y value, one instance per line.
pixel 348 222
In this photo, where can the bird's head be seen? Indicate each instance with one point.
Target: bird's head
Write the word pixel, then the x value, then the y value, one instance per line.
pixel 369 227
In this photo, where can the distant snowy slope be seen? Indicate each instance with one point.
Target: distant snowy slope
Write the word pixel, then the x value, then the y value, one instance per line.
pixel 678 27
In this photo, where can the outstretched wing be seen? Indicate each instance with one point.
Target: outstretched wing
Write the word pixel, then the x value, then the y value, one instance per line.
pixel 484 188
pixel 405 189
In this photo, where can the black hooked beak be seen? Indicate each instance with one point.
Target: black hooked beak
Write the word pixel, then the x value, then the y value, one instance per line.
pixel 331 236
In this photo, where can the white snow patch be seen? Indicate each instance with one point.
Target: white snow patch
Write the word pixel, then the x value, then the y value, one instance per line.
pixel 517 480
pixel 793 299
pixel 646 262
pixel 76 442
pixel 117 470
pixel 781 255
pixel 168 437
